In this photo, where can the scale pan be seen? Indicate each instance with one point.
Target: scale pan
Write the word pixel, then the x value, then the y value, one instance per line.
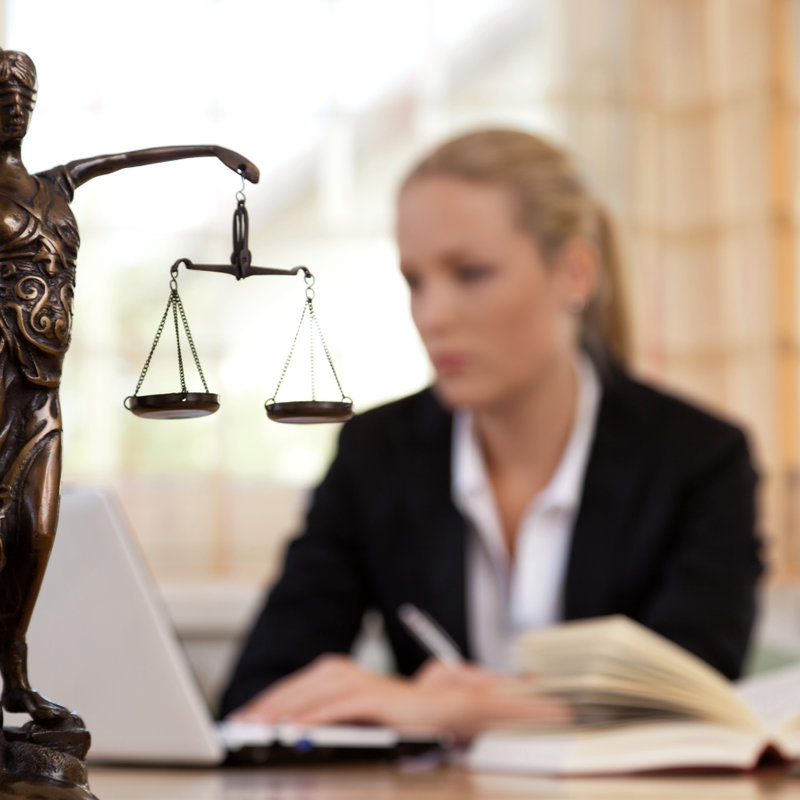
pixel 305 412
pixel 177 405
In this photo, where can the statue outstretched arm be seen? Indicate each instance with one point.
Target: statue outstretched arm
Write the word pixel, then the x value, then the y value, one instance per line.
pixel 85 169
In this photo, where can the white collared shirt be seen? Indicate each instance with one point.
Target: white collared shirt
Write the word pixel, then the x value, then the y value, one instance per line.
pixel 505 597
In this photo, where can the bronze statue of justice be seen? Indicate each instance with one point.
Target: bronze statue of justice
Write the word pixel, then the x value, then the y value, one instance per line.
pixel 38 249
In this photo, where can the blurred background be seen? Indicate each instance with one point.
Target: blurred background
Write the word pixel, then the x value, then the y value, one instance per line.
pixel 683 114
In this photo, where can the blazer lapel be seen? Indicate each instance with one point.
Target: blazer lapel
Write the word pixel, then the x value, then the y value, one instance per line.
pixel 445 576
pixel 437 526
pixel 610 485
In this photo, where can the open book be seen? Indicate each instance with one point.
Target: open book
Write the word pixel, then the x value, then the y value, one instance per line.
pixel 641 703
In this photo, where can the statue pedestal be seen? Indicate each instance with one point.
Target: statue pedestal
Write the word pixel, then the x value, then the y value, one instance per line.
pixel 45 763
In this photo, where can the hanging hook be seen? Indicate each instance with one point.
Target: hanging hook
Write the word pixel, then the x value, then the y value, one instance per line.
pixel 173 275
pixel 240 196
pixel 240 257
pixel 309 281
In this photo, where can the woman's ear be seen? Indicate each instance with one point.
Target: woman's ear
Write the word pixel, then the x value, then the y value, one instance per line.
pixel 578 265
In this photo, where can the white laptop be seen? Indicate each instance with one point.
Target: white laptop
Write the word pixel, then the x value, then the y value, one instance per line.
pixel 101 643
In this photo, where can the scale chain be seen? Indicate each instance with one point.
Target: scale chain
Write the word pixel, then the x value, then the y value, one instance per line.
pixel 324 347
pixel 172 297
pixel 174 302
pixel 179 303
pixel 291 353
pixel 311 354
pixel 308 306
pixel 159 331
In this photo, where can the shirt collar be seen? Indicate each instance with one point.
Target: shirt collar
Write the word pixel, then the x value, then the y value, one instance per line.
pixel 469 476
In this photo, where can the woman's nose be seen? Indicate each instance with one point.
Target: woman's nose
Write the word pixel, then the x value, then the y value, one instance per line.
pixel 432 310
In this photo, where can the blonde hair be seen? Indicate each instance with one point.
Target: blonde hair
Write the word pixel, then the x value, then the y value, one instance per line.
pixel 554 206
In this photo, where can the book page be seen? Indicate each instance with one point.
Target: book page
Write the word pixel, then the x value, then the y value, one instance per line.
pixel 774 696
pixel 613 662
pixel 616 750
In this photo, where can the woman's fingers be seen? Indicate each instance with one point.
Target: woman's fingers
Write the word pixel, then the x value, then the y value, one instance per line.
pixel 437 673
pixel 322 680
pixel 378 704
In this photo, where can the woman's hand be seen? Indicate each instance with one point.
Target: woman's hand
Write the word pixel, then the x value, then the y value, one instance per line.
pixel 459 700
pixel 327 680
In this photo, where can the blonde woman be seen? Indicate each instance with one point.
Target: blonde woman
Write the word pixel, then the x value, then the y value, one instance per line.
pixel 535 481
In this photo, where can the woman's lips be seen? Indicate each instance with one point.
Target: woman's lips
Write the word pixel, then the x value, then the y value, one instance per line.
pixel 448 362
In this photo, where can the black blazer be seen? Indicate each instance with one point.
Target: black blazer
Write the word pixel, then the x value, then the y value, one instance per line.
pixel 665 534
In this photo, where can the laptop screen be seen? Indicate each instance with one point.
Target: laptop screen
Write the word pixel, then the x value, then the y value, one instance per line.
pixel 101 643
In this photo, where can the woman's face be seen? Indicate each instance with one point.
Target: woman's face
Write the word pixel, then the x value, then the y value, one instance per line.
pixel 494 317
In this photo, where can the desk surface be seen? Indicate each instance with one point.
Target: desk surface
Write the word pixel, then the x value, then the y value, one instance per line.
pixel 403 783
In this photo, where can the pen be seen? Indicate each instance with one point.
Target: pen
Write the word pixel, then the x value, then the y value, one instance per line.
pixel 429 634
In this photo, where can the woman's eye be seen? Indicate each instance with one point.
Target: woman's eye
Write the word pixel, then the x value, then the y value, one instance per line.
pixel 470 273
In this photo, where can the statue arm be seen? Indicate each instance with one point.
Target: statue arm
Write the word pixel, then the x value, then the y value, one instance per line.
pixel 85 169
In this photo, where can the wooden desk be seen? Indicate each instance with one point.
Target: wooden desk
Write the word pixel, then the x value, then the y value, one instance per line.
pixel 399 783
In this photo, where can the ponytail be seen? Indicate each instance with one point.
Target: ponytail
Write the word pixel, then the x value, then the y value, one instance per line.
pixel 605 322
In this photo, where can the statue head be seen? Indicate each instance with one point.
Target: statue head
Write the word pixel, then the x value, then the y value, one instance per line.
pixel 17 94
